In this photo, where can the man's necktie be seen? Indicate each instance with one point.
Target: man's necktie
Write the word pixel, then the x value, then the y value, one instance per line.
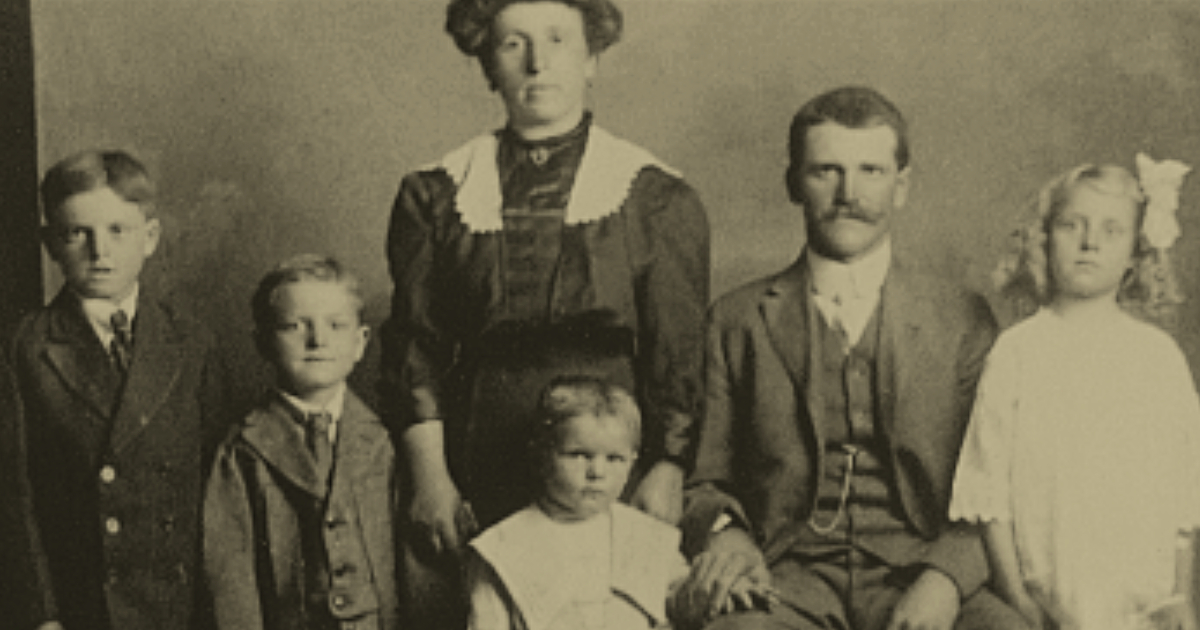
pixel 121 347
pixel 317 429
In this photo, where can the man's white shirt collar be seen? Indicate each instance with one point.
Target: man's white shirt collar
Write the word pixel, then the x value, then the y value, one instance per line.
pixel 848 293
pixel 99 313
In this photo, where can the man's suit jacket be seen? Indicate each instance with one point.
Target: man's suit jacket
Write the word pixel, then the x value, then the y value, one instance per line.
pixel 116 473
pixel 266 498
pixel 760 452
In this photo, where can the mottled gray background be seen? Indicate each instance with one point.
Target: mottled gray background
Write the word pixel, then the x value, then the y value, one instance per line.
pixel 281 126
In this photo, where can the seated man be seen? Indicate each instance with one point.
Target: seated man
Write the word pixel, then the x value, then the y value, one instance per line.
pixel 838 391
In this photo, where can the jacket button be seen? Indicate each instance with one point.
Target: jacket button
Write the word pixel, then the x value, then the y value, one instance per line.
pixel 112 525
pixel 108 474
pixel 339 601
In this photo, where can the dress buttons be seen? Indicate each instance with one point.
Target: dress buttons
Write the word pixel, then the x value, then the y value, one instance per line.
pixel 112 525
pixel 108 474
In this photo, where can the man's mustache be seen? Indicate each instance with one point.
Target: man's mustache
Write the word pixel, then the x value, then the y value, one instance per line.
pixel 852 211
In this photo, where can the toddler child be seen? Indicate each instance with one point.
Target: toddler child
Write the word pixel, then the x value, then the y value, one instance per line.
pixel 123 407
pixel 576 558
pixel 298 515
pixel 1081 456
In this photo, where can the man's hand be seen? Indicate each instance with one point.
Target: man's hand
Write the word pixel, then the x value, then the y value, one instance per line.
pixel 660 494
pixel 50 625
pixel 730 575
pixel 931 603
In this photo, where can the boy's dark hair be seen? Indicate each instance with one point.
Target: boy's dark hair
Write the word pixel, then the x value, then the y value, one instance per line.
pixel 89 170
pixel 301 268
pixel 572 396
pixel 854 107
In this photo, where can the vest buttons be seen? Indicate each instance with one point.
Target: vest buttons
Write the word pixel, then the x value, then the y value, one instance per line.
pixel 108 474
pixel 112 525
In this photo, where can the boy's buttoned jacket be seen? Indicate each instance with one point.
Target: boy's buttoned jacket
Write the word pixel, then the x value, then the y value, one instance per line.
pixel 761 448
pixel 116 473
pixel 264 500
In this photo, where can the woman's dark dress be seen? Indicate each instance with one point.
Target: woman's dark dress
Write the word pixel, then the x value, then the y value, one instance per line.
pixel 483 318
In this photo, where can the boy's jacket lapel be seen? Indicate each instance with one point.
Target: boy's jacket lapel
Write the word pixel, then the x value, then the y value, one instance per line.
pixel 276 436
pixel 78 357
pixel 157 363
pixel 361 440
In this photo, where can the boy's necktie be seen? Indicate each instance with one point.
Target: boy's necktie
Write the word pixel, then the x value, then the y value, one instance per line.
pixel 317 429
pixel 121 346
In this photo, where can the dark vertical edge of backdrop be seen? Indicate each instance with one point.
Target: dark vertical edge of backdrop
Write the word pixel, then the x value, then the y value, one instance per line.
pixel 20 254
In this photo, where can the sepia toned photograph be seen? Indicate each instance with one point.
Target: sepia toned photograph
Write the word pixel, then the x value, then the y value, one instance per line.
pixel 599 314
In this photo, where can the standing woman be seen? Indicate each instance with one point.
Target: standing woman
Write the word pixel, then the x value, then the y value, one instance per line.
pixel 546 247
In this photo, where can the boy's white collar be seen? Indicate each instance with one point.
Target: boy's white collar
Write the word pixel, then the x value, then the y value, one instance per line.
pixel 334 407
pixel 99 312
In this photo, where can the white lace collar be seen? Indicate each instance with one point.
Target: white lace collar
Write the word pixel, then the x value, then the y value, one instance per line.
pixel 606 173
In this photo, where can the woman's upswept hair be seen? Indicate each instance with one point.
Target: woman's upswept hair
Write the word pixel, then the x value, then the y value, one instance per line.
pixel 469 22
pixel 1023 275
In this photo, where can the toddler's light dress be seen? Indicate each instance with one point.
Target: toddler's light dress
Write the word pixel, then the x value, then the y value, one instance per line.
pixel 1085 437
pixel 611 572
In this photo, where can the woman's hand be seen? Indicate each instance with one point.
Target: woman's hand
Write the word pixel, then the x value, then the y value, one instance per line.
pixel 660 494
pixel 440 515
pixel 437 512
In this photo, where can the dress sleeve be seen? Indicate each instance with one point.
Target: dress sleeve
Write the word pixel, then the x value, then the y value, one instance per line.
pixel 418 348
pixel 982 484
pixel 1185 409
pixel 672 294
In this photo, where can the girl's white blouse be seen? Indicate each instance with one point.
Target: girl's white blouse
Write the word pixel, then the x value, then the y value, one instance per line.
pixel 1085 438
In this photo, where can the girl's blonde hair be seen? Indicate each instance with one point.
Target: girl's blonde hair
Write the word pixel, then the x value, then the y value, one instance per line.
pixel 1149 289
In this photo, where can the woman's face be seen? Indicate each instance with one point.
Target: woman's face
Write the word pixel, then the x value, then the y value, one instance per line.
pixel 541 66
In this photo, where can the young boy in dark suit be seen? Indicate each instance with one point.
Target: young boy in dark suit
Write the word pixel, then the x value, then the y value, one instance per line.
pixel 123 406
pixel 299 511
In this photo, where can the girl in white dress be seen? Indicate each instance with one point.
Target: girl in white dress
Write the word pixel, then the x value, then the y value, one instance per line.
pixel 576 559
pixel 1081 459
